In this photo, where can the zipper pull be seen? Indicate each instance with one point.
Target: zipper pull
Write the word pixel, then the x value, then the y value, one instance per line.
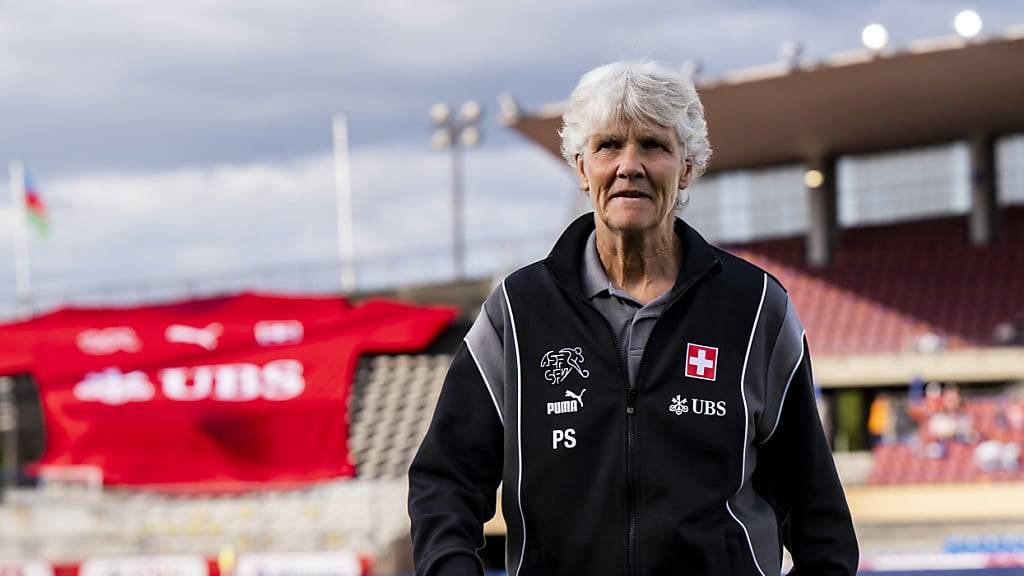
pixel 630 400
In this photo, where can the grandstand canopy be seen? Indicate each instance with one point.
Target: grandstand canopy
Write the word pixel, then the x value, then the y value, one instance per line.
pixel 934 91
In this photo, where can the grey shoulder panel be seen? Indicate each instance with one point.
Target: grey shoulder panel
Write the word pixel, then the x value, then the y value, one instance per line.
pixel 485 343
pixel 495 310
pixel 786 356
pixel 770 313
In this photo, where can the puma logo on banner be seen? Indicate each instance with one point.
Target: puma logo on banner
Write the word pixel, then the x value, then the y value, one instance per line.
pixel 202 337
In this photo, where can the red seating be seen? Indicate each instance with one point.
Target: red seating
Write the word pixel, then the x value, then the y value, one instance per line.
pixel 888 285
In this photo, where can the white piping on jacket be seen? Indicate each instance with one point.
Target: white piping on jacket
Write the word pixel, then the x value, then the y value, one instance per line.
pixel 519 424
pixel 746 423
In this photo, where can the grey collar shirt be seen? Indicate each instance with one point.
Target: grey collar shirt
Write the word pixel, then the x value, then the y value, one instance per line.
pixel 631 322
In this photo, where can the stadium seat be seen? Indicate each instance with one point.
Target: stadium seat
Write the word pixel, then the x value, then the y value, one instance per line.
pixel 883 291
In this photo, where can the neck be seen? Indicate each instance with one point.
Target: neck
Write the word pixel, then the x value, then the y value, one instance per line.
pixel 643 264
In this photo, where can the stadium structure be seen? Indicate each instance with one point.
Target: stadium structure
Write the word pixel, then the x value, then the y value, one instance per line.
pixel 884 189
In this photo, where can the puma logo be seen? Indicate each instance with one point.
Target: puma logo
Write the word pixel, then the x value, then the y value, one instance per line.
pixel 578 398
pixel 567 406
pixel 204 337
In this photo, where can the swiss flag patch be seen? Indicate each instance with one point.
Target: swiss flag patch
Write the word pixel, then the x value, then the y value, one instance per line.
pixel 701 361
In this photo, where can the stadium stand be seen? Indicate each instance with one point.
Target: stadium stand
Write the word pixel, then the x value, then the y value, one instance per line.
pixel 884 291
pixel 391 407
pixel 979 440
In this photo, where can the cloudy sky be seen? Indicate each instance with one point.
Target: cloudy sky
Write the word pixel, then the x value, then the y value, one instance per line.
pixel 189 143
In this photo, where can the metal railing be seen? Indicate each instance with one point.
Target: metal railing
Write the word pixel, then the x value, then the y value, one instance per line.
pixel 381 271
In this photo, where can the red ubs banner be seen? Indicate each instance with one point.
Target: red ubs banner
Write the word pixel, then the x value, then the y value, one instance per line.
pixel 225 391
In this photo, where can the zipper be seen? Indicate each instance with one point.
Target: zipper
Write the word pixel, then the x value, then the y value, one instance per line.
pixel 632 506
pixel 631 482
pixel 630 441
pixel 631 491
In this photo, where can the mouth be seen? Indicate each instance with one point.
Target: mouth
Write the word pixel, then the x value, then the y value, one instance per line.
pixel 629 194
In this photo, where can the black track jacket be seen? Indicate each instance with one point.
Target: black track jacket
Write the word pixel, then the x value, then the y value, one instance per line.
pixel 706 468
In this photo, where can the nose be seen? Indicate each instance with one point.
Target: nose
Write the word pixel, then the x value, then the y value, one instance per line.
pixel 630 164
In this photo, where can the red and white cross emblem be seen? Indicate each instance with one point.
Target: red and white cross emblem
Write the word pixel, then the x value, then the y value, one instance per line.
pixel 701 361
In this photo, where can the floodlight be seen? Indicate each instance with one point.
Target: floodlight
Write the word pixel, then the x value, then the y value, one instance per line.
pixel 470 111
pixel 456 133
pixel 967 24
pixel 440 113
pixel 875 37
pixel 441 138
pixel 470 136
pixel 508 107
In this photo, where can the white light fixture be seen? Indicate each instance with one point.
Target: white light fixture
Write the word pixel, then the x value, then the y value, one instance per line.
pixel 508 109
pixel 875 37
pixel 441 139
pixel 440 113
pixel 471 111
pixel 967 24
pixel 814 179
pixel 470 136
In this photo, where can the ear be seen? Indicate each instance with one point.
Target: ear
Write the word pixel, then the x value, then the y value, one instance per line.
pixel 581 172
pixel 685 174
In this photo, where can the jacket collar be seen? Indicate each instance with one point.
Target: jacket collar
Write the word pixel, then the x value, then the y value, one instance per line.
pixel 566 257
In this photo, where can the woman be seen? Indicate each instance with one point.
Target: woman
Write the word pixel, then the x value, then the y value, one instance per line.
pixel 645 397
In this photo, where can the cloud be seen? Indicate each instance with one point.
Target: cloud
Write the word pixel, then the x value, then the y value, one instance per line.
pixel 118 84
pixel 266 225
pixel 185 137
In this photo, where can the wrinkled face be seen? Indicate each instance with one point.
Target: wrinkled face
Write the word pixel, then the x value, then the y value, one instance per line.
pixel 634 173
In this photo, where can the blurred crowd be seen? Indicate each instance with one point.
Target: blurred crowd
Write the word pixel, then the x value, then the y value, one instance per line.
pixel 932 419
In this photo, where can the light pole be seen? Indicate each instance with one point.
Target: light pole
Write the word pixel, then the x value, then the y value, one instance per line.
pixel 456 133
pixel 343 192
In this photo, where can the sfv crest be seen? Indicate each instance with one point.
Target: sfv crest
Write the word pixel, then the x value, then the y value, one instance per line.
pixel 559 364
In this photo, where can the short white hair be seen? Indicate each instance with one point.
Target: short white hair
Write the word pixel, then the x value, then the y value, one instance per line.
pixel 642 92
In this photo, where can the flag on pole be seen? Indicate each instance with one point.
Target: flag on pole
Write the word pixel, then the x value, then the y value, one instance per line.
pixel 35 209
pixel 22 268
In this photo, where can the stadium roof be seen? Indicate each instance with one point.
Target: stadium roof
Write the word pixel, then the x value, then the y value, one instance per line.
pixel 933 91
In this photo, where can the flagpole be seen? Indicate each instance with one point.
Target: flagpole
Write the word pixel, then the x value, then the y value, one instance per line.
pixel 346 219
pixel 22 267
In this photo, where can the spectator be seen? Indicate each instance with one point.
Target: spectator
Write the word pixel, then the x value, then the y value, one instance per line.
pixel 1014 415
pixel 998 454
pixel 987 455
pixel 881 423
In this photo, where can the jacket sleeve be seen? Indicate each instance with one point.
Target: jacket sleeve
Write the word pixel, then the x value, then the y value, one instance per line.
pixel 814 517
pixel 454 477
